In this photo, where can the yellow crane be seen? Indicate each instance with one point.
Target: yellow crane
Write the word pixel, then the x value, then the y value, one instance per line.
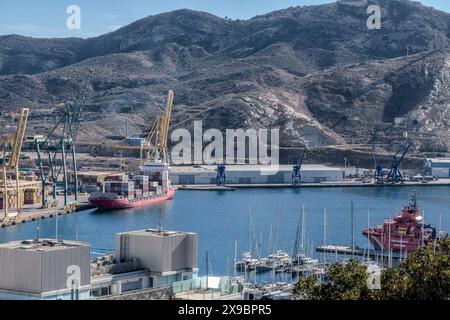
pixel 12 146
pixel 155 143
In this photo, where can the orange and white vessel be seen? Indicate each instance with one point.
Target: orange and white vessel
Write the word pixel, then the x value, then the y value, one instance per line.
pixel 406 232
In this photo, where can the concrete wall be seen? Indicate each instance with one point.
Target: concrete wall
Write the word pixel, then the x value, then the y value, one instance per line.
pixel 55 264
pixel 440 172
pixel 255 177
pixel 41 271
pixel 439 167
pixel 84 294
pixel 159 253
pixel 20 270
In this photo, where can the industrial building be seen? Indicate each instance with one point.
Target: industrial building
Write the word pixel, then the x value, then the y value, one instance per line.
pixel 44 270
pixel 146 259
pixel 169 255
pixel 437 167
pixel 89 181
pixel 253 174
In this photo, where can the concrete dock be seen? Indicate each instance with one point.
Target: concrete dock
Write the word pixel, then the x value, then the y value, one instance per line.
pixel 206 188
pixel 343 184
pixel 33 213
pixel 374 254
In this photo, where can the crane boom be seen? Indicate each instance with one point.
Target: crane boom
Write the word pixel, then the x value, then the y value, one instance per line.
pixel 163 134
pixel 18 139
pixel 156 140
pixel 395 174
pixel 13 161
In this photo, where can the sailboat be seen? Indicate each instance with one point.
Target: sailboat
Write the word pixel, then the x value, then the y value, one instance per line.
pixel 247 262
pixel 302 264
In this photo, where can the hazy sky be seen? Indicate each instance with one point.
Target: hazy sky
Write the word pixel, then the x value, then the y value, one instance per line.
pixel 47 18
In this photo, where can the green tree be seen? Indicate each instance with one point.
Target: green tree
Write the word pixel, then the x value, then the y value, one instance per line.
pixel 343 282
pixel 393 285
pixel 308 288
pixel 424 275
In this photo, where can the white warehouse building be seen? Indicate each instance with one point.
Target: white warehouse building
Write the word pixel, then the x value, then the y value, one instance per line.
pixel 253 174
pixel 437 167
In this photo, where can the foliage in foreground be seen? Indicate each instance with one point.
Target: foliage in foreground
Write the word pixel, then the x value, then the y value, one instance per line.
pixel 424 275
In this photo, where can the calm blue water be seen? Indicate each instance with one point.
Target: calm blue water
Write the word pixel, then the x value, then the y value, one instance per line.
pixel 218 217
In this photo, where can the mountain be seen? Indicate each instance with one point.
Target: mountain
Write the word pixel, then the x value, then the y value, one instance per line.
pixel 316 72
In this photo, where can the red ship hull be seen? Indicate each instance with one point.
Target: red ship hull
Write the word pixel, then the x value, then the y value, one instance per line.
pixel 382 241
pixel 406 232
pixel 124 203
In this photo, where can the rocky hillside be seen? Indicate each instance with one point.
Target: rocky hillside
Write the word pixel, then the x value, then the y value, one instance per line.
pixel 318 73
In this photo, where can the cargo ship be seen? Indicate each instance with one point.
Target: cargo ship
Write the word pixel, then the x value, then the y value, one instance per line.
pixel 149 186
pixel 407 232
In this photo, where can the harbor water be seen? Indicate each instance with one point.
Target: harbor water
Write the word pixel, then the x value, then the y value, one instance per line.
pixel 221 216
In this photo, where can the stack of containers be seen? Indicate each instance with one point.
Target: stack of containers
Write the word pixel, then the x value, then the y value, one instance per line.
pixel 154 176
pixel 153 185
pixel 141 185
pixel 117 177
pixel 158 177
pixel 119 184
pixel 165 183
pixel 32 196
pixel 138 193
pixel 154 172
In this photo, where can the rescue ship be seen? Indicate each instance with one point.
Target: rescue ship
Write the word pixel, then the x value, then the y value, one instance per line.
pixel 407 232
pixel 151 185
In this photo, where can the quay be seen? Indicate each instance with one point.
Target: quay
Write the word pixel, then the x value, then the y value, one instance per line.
pixel 343 184
pixel 32 213
pixel 363 252
pixel 206 188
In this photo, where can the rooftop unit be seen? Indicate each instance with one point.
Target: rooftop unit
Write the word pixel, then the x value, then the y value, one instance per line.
pixel 41 270
pixel 162 252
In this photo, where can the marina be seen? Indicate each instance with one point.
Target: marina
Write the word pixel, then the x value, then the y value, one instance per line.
pixel 220 217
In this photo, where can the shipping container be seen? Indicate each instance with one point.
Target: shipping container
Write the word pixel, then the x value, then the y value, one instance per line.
pixel 135 141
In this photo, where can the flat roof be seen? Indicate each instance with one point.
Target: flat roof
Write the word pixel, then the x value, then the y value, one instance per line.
pixel 97 173
pixel 438 159
pixel 156 232
pixel 42 245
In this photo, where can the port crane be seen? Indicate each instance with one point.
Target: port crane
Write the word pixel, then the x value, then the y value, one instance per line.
pixel 221 175
pixel 296 170
pixel 154 145
pixel 378 167
pixel 57 146
pixel 395 175
pixel 12 147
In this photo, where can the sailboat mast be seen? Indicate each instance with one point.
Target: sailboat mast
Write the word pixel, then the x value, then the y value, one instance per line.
pixel 353 229
pixel 278 230
pixel 389 245
pixel 302 228
pixel 324 233
pixel 368 235
pixel 235 255
pixel 325 225
pixel 422 229
pixel 297 239
pixel 250 229
pixel 207 270
pixel 270 240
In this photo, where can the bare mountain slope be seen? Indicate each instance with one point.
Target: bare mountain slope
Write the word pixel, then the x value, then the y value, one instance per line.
pixel 315 72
